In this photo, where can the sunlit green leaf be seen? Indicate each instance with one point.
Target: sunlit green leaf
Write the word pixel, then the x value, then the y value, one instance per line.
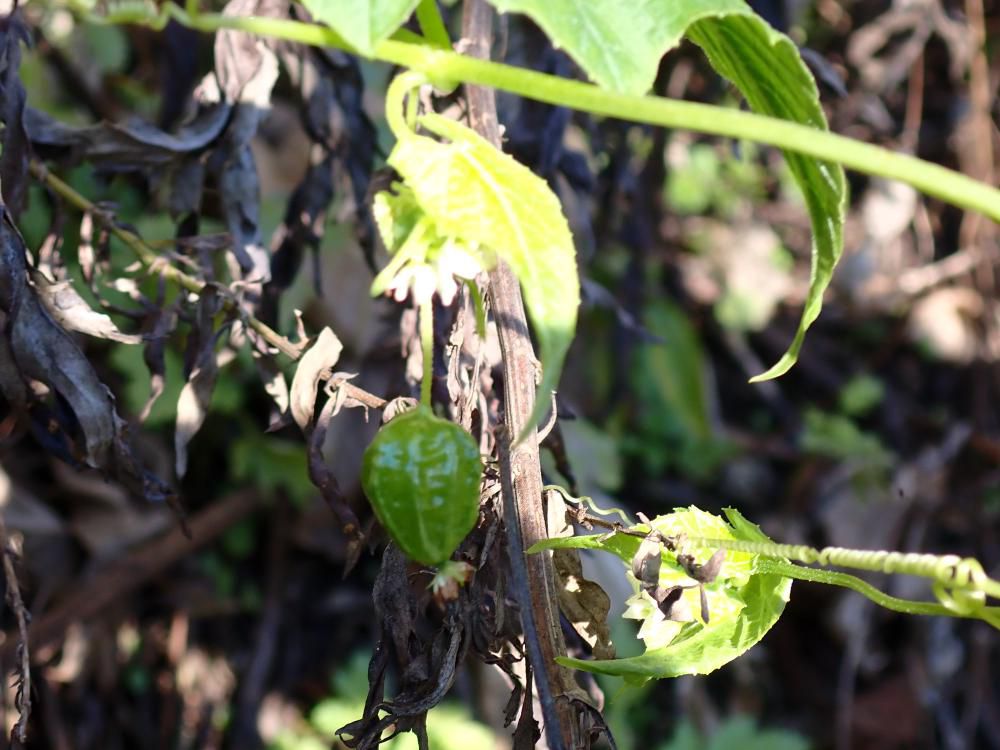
pixel 480 195
pixel 619 42
pixel 743 602
pixel 362 23
pixel 766 67
pixel 764 64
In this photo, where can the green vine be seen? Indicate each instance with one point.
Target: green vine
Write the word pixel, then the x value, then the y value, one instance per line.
pixel 906 606
pixel 427 347
pixel 960 584
pixel 446 69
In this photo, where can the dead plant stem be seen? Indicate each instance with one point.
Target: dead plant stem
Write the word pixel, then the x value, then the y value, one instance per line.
pixel 519 464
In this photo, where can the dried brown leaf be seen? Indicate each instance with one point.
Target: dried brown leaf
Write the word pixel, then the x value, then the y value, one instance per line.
pixel 73 312
pixel 584 603
pixel 646 561
pixel 316 365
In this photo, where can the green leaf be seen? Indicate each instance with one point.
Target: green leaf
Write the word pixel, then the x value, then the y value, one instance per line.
pixel 764 64
pixel 744 602
pixel 480 195
pixel 619 42
pixel 362 23
pixel 766 67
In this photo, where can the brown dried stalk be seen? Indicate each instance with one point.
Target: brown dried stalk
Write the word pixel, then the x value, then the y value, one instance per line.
pixel 521 471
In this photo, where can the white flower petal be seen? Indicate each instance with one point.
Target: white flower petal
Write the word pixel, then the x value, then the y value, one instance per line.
pixel 447 288
pixel 424 284
pixel 458 261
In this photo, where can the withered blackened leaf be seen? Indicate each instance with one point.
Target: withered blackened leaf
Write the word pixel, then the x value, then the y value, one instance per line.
pixel 672 603
pixel 331 88
pixel 316 364
pixel 12 385
pixel 123 147
pixel 646 562
pixel 239 190
pixel 73 313
pixel 45 352
pixel 186 185
pixel 246 70
pixel 16 148
pixel 706 573
pixel 305 218
pixel 154 355
pixel 178 71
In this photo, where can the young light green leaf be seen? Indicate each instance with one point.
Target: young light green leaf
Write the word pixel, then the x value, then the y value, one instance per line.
pixel 482 196
pixel 703 649
pixel 619 42
pixel 744 601
pixel 766 67
pixel 362 23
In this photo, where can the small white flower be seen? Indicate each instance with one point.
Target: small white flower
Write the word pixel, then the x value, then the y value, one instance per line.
pixel 456 260
pixel 437 273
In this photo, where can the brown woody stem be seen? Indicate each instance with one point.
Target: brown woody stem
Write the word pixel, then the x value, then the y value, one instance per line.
pixel 519 465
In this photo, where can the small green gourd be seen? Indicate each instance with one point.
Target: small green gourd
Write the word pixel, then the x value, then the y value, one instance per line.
pixel 421 474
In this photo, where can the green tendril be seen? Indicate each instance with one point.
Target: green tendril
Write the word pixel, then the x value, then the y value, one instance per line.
pixel 959 584
pixel 401 115
pixel 589 502
pixel 427 345
pixel 990 615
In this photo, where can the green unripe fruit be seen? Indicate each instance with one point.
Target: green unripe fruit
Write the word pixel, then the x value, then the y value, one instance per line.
pixel 421 475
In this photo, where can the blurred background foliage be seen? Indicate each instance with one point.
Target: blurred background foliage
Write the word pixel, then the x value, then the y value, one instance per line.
pixel 695 255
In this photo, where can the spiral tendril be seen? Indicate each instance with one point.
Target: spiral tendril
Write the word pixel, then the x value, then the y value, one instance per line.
pixel 960 584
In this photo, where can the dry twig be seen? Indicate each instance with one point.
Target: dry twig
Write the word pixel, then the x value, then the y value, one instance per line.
pixel 22 699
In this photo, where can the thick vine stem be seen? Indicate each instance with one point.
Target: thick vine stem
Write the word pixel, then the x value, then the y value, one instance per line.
pixel 446 68
pixel 523 477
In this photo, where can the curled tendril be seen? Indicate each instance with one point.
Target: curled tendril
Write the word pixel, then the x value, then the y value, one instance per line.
pixel 400 114
pixel 960 584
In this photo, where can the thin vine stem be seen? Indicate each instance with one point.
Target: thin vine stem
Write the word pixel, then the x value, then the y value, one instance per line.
pixel 835 578
pixel 427 347
pixel 446 68
pixel 951 571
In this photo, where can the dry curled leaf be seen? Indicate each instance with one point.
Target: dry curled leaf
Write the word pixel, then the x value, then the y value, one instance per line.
pixel 73 313
pixel 80 425
pixel 584 603
pixel 316 365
